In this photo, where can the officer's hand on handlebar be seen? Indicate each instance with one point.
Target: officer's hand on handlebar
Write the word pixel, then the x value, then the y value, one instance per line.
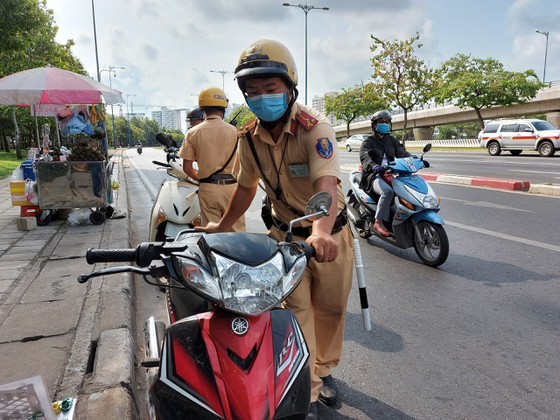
pixel 326 248
pixel 426 163
pixel 211 227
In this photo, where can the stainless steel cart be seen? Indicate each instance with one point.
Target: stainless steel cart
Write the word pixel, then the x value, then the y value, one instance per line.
pixel 71 184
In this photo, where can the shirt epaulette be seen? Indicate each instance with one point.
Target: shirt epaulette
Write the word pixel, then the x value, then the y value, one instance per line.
pixel 306 120
pixel 247 127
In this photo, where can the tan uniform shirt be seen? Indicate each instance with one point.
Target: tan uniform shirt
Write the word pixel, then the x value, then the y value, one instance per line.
pixel 210 144
pixel 306 151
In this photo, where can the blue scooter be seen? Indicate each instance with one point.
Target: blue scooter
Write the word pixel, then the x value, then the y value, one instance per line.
pixel 414 221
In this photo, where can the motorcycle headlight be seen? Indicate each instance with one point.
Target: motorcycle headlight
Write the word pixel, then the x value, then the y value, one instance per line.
pixel 241 288
pixel 429 200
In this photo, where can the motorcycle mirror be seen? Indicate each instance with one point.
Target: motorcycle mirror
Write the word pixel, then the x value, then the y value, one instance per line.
pixel 163 139
pixel 319 203
pixel 427 147
pixel 317 207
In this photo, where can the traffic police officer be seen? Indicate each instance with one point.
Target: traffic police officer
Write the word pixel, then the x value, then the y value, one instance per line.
pixel 292 148
pixel 212 144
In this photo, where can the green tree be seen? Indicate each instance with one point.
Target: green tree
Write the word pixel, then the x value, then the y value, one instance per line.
pixel 462 130
pixel 28 32
pixel 477 83
pixel 359 101
pixel 405 80
pixel 242 115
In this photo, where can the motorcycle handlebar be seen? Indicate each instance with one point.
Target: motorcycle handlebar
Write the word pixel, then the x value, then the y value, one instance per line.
pixel 307 249
pixel 94 256
pixel 155 162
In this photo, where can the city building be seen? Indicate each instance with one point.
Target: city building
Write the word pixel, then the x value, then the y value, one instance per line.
pixel 319 104
pixel 169 119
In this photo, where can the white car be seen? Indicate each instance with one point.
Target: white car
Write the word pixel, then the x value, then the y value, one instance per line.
pixel 354 142
pixel 518 135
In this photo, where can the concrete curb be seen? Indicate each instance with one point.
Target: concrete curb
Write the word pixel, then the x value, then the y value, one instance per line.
pixel 495 183
pixel 109 391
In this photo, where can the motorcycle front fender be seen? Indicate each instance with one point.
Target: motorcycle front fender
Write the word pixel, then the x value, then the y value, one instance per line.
pixel 428 216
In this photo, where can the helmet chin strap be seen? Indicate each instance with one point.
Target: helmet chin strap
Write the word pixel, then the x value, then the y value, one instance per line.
pixel 269 125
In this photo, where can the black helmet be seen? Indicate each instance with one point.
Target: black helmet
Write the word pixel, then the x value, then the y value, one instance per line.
pixel 383 115
pixel 195 114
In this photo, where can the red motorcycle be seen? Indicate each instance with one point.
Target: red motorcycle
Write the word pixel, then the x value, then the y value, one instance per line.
pixel 244 358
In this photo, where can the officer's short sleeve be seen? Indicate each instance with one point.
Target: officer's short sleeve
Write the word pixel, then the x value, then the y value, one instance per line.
pixel 248 175
pixel 188 148
pixel 322 149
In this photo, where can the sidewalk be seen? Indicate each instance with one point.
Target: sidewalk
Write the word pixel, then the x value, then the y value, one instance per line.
pixel 78 337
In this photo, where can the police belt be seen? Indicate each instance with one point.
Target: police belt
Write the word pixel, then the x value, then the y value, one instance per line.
pixel 220 179
pixel 341 220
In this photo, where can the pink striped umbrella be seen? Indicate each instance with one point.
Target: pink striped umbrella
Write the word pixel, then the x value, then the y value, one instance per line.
pixel 51 85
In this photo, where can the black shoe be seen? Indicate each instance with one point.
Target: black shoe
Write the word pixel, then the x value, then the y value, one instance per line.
pixel 313 411
pixel 329 392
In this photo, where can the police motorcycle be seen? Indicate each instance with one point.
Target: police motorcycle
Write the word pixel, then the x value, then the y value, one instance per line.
pixel 244 358
pixel 414 221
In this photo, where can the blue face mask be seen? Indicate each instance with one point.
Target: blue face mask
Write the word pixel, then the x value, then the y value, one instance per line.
pixel 383 128
pixel 268 107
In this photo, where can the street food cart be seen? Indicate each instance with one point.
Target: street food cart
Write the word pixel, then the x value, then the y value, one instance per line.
pixel 69 185
pixel 83 180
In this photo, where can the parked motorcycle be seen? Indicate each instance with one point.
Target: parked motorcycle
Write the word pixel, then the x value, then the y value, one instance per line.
pixel 176 206
pixel 414 221
pixel 246 358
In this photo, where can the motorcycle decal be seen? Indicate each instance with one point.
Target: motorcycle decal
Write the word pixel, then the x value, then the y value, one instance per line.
pixel 287 356
pixel 291 353
pixel 167 377
pixel 324 147
pixel 240 326
pixel 410 163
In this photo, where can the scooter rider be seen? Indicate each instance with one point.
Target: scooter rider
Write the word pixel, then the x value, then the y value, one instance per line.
pixel 376 152
pixel 213 145
pixel 292 148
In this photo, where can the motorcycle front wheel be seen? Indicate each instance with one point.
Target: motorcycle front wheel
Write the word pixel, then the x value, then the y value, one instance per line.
pixel 431 243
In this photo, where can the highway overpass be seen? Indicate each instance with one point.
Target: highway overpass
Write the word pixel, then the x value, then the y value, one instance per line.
pixel 547 101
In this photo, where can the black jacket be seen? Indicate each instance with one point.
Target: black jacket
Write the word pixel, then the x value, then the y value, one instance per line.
pixel 371 154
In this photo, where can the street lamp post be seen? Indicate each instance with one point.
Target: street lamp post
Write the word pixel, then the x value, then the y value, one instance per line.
pixel 95 40
pixel 128 118
pixel 306 8
pixel 545 33
pixel 223 73
pixel 112 69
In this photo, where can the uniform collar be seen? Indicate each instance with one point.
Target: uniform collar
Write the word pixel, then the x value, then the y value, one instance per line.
pixel 289 129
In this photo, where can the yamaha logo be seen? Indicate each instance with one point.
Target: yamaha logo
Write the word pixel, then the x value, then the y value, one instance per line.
pixel 240 326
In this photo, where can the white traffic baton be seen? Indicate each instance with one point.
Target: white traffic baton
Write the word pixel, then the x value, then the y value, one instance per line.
pixel 366 317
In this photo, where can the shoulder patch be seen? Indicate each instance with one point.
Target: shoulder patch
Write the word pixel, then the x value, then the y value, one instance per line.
pixel 324 147
pixel 306 120
pixel 247 127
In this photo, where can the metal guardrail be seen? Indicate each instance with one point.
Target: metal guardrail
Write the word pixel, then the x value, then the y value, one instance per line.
pixel 474 143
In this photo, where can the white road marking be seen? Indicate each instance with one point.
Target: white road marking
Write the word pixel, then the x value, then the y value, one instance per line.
pixel 524 241
pixel 485 204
